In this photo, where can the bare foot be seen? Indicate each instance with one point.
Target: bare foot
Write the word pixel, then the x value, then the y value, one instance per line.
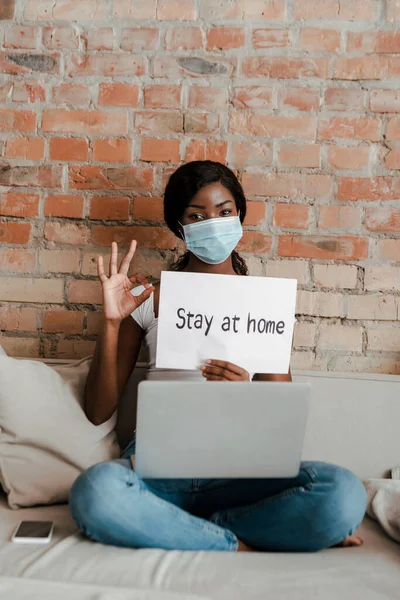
pixel 352 540
pixel 243 548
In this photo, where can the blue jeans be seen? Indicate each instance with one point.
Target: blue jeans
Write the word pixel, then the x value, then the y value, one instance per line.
pixel 317 509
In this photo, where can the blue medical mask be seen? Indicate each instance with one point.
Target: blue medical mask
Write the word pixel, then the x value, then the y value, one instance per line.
pixel 213 240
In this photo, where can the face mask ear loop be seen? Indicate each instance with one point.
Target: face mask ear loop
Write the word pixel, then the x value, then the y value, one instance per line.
pixel 182 231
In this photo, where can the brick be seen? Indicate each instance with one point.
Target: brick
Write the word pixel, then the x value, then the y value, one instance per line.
pixel 26 148
pixel 65 321
pixel 101 38
pixel 382 218
pixel 7 10
pixel 225 38
pixel 382 278
pixel 162 96
pixel 270 38
pixel 13 63
pixel 139 39
pixel 174 10
pixel 382 338
pixel 341 157
pixel 300 156
pixel 75 349
pixel 44 176
pixel 17 120
pixel 160 150
pixel 257 124
pixel 18 36
pixel 343 99
pixel 174 68
pixel 366 67
pixel 354 128
pixel 292 216
pixel 371 308
pixel 119 94
pixel 256 213
pixel 365 364
pixel 339 217
pixel 158 122
pixel 61 37
pixel 392 159
pixel 111 178
pixel 112 150
pixel 28 91
pixel 324 247
pixel 105 65
pixel 61 10
pixel 69 149
pixel 313 39
pixel 288 185
pixel 335 276
pixel 304 334
pixel 204 122
pixel 344 10
pixel 208 98
pixel 368 188
pixel 319 304
pixel 184 38
pixel 304 99
pixel 306 360
pixel 16 289
pixel 95 321
pixel 18 319
pixel 135 9
pixel 392 11
pixel 110 208
pixel 84 121
pixel 389 249
pixel 340 337
pixel 64 206
pixel 19 205
pixel 20 347
pixel 85 292
pixel 89 261
pixel 393 129
pixel 76 234
pixel 379 42
pixel 285 67
pixel 383 101
pixel 13 232
pixel 252 97
pixel 207 150
pixel 255 242
pixel 243 9
pixel 289 269
pixel 59 261
pixel 252 154
pixel 72 94
pixel 17 260
pixel 148 237
pixel 148 209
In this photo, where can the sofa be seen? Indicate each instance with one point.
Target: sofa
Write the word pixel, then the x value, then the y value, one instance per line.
pixel 354 422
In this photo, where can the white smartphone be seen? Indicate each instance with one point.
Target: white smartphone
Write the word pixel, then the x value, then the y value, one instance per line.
pixel 33 532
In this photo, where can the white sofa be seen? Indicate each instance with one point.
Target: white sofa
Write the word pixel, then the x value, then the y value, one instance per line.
pixel 354 422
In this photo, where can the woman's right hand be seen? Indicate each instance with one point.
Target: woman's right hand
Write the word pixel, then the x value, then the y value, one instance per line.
pixel 118 302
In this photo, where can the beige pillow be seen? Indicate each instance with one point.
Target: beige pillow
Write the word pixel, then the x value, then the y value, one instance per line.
pixel 46 440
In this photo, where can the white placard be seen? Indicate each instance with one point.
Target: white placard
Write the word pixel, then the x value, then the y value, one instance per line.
pixel 245 320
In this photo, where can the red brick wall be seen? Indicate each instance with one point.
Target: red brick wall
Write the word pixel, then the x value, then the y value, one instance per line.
pixel 101 100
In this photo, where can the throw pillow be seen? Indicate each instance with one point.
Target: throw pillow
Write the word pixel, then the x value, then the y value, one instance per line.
pixel 46 440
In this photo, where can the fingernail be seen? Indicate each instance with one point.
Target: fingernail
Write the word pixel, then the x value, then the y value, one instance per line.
pixel 208 362
pixel 202 368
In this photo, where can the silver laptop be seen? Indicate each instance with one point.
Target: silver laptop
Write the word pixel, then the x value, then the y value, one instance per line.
pixel 220 430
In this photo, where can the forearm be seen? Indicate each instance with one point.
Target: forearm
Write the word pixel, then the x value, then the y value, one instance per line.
pixel 102 393
pixel 273 377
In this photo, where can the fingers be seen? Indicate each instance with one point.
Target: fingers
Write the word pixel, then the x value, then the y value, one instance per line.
pixel 114 259
pixel 144 295
pixel 126 263
pixel 100 269
pixel 223 364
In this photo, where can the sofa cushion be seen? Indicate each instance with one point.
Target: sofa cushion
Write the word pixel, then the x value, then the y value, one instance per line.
pixel 46 439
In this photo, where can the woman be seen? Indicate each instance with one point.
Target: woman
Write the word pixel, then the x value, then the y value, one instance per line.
pixel 205 205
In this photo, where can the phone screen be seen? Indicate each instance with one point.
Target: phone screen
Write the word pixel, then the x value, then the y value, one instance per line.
pixel 34 529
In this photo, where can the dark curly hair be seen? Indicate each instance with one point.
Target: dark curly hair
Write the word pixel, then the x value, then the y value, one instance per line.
pixel 184 184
